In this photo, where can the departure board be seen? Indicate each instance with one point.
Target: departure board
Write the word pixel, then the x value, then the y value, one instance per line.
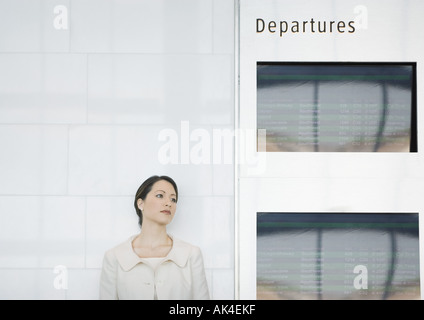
pixel 337 107
pixel 343 256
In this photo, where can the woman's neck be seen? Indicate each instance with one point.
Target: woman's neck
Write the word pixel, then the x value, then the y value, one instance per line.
pixel 152 241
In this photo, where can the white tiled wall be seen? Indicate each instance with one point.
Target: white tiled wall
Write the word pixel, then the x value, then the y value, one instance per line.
pixel 81 110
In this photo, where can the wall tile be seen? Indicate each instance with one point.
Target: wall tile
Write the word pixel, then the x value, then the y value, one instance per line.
pixel 223 21
pixel 83 284
pixel 223 284
pixel 34 160
pixel 126 89
pixel 191 34
pixel 30 284
pixel 42 232
pixel 141 26
pixel 82 111
pixel 160 89
pixel 103 159
pixel 223 180
pixel 56 25
pixel 20 27
pixel 43 88
pixel 28 26
pixel 114 160
pixel 91 25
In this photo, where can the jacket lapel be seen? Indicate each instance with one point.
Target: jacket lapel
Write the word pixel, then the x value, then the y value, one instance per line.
pixel 128 259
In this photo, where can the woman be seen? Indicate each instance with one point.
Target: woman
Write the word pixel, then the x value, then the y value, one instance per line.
pixel 153 264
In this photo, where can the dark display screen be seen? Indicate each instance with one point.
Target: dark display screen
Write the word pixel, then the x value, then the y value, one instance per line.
pixel 338 256
pixel 337 107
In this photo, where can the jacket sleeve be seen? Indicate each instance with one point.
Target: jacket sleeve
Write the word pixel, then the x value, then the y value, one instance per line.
pixel 108 289
pixel 199 282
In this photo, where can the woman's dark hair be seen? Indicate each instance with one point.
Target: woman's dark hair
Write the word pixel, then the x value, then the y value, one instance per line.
pixel 145 188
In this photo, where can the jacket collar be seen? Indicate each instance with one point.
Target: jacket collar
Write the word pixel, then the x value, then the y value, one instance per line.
pixel 127 258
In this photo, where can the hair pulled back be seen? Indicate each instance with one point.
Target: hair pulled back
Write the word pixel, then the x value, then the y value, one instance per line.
pixel 145 188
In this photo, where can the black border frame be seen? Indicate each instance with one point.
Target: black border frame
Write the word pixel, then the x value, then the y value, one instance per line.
pixel 413 145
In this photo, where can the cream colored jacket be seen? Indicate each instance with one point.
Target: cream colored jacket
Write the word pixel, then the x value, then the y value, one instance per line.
pixel 180 276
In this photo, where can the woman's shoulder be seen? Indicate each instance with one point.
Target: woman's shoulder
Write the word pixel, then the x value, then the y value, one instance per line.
pixel 122 254
pixel 184 250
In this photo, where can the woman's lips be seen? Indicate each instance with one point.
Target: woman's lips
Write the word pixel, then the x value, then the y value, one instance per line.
pixel 166 211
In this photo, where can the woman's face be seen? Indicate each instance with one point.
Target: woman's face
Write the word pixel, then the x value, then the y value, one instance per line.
pixel 160 203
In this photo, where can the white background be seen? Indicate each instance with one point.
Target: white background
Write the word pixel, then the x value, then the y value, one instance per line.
pixel 81 110
pixel 325 182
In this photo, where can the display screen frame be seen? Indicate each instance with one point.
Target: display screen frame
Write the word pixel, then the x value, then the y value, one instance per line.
pixel 319 69
pixel 322 250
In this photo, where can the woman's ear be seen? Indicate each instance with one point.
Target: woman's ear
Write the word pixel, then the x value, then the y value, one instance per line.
pixel 140 204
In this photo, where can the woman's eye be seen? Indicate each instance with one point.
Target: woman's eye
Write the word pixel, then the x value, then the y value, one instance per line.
pixel 174 200
pixel 159 196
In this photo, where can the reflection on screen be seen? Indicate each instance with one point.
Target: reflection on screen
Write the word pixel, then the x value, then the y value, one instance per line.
pixel 342 256
pixel 337 107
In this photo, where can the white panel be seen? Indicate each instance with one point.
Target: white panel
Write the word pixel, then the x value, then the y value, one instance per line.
pixel 142 26
pixel 413 45
pixel 56 25
pixel 160 89
pixel 114 160
pixel 223 284
pixel 342 165
pixel 126 89
pixel 17 212
pixel 91 25
pixel 20 28
pixel 42 232
pixel 223 180
pixel 223 21
pixel 22 73
pixel 379 22
pixel 29 25
pixel 34 159
pixel 322 182
pixel 83 284
pixel 42 88
pixel 107 160
pixel 82 111
pixel 193 34
pixel 31 284
pixel 62 224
